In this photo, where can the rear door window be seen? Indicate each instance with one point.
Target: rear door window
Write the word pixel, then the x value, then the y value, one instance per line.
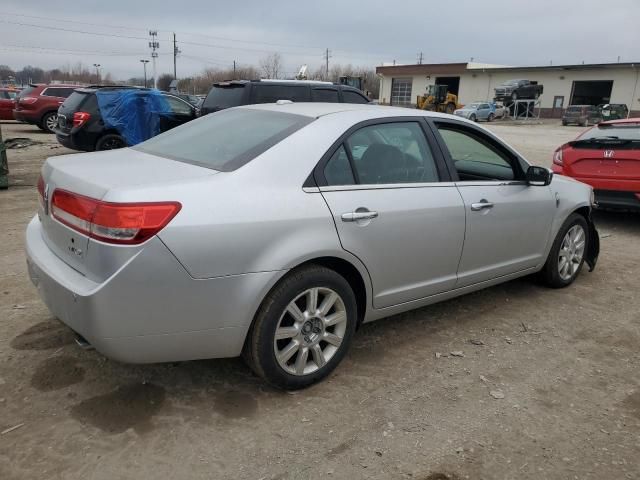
pixel 225 140
pixel 392 153
pixel 265 93
pixel 353 97
pixel 329 95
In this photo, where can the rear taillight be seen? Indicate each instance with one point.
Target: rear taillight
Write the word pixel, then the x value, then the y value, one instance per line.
pixel 80 118
pixel 557 155
pixel 41 190
pixel 121 223
pixel 28 100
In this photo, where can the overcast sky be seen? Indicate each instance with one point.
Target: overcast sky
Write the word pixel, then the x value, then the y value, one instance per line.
pixel 510 32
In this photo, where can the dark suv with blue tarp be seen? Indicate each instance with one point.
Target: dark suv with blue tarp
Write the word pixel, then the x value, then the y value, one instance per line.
pixel 104 118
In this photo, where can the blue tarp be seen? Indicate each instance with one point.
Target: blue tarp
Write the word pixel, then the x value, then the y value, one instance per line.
pixel 134 114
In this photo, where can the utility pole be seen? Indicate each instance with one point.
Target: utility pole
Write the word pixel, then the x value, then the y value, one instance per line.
pixel 97 65
pixel 176 51
pixel 234 70
pixel 154 45
pixel 144 65
pixel 420 57
pixel 327 56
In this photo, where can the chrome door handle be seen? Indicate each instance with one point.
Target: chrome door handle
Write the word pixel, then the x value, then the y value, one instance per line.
pixel 355 216
pixel 481 205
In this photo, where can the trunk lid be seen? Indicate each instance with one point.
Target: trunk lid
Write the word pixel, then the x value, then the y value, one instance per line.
pixel 604 161
pixel 94 175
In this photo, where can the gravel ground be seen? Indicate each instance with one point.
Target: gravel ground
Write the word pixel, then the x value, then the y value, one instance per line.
pixel 544 384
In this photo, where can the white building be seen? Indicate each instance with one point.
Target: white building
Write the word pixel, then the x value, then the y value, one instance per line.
pixel 564 85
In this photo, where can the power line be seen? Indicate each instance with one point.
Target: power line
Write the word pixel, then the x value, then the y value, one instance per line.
pixel 49 19
pixel 66 51
pixel 306 48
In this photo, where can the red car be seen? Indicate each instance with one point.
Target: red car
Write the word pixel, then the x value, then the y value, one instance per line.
pixel 7 96
pixel 38 104
pixel 607 157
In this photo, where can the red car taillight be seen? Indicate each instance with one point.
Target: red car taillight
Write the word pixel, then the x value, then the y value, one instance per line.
pixel 41 190
pixel 80 118
pixel 28 100
pixel 120 223
pixel 557 155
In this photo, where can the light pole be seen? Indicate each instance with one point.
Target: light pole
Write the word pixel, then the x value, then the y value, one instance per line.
pixel 97 65
pixel 144 65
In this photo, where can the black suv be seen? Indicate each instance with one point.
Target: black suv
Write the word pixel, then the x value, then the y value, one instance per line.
pixel 81 126
pixel 246 92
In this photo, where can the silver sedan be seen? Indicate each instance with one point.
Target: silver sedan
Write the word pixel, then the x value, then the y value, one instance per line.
pixel 274 231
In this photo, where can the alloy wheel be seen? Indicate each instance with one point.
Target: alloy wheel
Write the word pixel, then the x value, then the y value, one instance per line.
pixel 51 122
pixel 571 252
pixel 310 331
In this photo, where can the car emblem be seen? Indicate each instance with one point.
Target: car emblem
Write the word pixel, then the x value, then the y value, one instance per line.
pixel 45 198
pixel 609 153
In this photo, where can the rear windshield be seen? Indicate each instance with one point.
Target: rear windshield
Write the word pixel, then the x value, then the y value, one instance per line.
pixel 225 140
pixel 224 96
pixel 574 109
pixel 617 132
pixel 26 91
pixel 74 100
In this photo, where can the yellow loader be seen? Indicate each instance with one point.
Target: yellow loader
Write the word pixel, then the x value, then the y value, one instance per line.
pixel 438 99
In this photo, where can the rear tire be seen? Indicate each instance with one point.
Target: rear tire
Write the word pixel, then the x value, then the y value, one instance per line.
pixel 450 108
pixel 49 122
pixel 491 117
pixel 110 141
pixel 300 356
pixel 566 257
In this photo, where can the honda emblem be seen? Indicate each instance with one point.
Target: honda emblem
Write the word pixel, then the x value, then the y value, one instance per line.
pixel 608 153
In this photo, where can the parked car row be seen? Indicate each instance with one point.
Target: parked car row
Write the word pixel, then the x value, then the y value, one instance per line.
pixel 586 115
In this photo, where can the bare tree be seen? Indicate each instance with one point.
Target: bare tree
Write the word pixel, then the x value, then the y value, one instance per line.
pixel 271 66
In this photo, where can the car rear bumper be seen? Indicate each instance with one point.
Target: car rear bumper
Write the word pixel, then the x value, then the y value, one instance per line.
pixel 75 142
pixel 150 310
pixel 618 199
pixel 25 116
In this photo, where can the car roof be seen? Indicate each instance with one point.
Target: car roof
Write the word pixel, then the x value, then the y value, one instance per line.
pixel 319 109
pixel 268 81
pixel 622 121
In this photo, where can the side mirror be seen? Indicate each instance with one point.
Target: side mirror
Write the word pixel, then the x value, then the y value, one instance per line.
pixel 539 176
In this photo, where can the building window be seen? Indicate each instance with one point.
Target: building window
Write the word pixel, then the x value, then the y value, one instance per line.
pixel 401 91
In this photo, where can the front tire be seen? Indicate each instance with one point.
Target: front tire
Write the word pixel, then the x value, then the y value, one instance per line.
pixel 473 118
pixel 303 328
pixel 567 253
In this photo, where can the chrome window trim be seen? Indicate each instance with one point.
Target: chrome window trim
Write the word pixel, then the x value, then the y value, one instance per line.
pixel 384 186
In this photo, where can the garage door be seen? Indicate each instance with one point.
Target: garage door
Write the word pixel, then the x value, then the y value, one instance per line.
pixel 591 92
pixel 401 91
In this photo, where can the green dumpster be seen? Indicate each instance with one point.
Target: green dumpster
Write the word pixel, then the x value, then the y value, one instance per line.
pixel 4 166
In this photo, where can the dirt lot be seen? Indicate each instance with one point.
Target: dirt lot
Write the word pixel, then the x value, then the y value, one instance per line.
pixel 564 364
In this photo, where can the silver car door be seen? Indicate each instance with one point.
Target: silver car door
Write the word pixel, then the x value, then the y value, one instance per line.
pixel 508 222
pixel 382 185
